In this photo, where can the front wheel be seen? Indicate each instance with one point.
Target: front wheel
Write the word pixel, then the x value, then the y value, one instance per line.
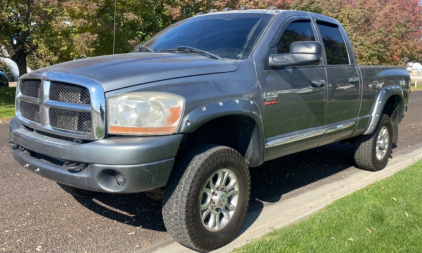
pixel 207 197
pixel 372 151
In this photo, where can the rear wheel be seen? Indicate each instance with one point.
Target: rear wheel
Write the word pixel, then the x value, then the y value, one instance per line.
pixel 206 199
pixel 372 151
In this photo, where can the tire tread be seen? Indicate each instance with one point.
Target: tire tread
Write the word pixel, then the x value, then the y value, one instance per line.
pixel 176 209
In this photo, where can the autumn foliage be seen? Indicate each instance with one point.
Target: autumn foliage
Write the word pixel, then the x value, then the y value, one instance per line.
pixel 44 32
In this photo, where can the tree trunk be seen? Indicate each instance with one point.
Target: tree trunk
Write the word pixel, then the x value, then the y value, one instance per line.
pixel 20 58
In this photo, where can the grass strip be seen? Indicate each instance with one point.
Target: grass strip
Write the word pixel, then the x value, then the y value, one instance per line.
pixel 383 217
pixel 418 87
pixel 7 102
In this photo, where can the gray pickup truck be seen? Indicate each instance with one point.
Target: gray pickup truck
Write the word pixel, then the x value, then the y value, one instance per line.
pixel 186 114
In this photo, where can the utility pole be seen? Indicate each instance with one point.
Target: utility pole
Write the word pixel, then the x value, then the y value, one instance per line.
pixel 114 21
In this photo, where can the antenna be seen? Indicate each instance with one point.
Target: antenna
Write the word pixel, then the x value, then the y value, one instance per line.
pixel 114 24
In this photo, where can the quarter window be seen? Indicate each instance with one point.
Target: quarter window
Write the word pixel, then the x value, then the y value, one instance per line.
pixel 335 48
pixel 296 31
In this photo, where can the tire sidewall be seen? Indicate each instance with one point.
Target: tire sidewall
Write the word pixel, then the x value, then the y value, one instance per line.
pixel 380 164
pixel 220 237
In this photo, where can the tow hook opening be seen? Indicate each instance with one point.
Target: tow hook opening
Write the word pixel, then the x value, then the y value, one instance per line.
pixel 73 166
pixel 12 145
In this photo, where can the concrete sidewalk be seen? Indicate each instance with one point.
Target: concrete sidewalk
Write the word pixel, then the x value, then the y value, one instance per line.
pixel 286 212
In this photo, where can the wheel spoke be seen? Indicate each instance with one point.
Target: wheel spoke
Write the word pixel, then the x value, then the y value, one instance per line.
pixel 230 207
pixel 220 176
pixel 225 214
pixel 205 214
pixel 226 175
pixel 211 222
pixel 217 220
pixel 232 184
pixel 212 186
pixel 234 192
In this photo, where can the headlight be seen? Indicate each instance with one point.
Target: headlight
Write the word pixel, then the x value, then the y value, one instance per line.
pixel 144 113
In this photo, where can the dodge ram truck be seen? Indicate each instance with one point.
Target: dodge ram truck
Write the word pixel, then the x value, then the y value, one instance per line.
pixel 186 114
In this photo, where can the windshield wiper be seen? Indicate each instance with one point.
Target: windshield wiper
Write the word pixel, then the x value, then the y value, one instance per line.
pixel 193 50
pixel 140 48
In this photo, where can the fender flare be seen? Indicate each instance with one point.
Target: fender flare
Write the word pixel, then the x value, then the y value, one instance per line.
pixel 233 107
pixel 382 98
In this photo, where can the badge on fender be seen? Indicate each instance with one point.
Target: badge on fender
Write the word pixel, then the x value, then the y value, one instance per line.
pixel 270 98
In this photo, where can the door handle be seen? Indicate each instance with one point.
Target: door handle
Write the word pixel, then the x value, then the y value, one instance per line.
pixel 354 80
pixel 320 83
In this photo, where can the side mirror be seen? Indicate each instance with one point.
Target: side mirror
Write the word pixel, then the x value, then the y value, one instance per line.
pixel 301 53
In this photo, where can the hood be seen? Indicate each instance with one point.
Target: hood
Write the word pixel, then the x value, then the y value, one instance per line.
pixel 124 70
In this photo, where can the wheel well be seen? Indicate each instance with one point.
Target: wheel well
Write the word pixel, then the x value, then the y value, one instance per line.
pixel 394 102
pixel 238 132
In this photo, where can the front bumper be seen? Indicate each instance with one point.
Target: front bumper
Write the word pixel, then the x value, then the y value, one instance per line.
pixel 145 162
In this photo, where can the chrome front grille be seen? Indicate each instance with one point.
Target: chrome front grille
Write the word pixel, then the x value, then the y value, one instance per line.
pixel 62 108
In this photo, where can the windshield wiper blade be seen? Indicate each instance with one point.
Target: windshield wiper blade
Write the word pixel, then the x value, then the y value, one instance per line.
pixel 139 48
pixel 193 50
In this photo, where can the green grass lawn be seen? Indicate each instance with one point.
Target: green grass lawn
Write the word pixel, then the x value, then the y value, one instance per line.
pixel 383 217
pixel 7 102
pixel 418 87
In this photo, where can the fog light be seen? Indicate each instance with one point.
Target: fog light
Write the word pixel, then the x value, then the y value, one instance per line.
pixel 120 179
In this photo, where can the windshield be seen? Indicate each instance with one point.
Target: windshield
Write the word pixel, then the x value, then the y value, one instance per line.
pixel 226 35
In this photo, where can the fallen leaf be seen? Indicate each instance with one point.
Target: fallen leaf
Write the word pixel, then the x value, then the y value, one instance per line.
pixel 407 215
pixel 131 233
pixel 351 239
pixel 382 188
pixel 369 231
pixel 394 199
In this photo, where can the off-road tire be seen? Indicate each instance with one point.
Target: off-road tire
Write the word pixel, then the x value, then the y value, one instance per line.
pixel 181 197
pixel 365 147
pixel 78 193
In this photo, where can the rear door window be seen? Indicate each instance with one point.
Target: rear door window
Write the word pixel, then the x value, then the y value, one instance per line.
pixel 334 45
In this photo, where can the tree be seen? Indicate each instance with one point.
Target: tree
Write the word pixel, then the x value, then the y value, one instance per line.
pixel 45 32
pixel 41 32
pixel 384 32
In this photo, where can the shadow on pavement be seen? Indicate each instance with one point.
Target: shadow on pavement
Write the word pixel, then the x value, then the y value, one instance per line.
pixel 270 182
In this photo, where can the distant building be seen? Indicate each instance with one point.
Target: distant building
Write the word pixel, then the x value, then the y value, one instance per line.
pixel 414 68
